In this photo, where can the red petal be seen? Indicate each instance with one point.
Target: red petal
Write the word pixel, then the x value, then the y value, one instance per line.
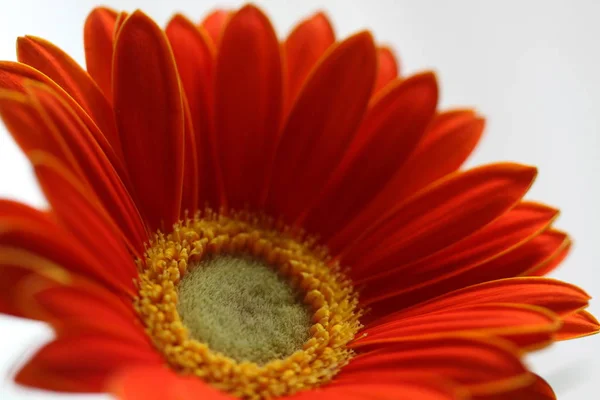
pixel 578 324
pixel 248 105
pixel 80 212
pixel 448 142
pixel 214 23
pixel 322 124
pixel 190 184
pixel 561 245
pixel 195 58
pixel 132 384
pixel 538 251
pixel 507 233
pixel 388 134
pixel 150 118
pixel 13 76
pixel 93 166
pixel 68 309
pixel 42 247
pixel 30 130
pixel 437 217
pixel 525 326
pixel 481 365
pixel 302 49
pixel 400 387
pixel 56 64
pixel 387 68
pixel 98 39
pixel 538 390
pixel 558 297
pixel 83 364
pixel 431 160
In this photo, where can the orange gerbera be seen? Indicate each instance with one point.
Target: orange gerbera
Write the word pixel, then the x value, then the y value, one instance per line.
pixel 235 216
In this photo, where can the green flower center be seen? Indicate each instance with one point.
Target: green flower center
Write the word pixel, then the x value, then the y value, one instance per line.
pixel 241 307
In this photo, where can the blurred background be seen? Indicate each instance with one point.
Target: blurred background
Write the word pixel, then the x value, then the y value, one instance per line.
pixel 531 67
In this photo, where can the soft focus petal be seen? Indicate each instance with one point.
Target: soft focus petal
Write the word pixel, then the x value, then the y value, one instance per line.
pixel 387 69
pixel 132 384
pixel 56 64
pixel 538 390
pixel 214 23
pixel 83 363
pixel 578 324
pixel 16 76
pixel 90 163
pixel 79 211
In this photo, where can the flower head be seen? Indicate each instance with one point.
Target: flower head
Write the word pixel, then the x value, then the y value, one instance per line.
pixel 231 215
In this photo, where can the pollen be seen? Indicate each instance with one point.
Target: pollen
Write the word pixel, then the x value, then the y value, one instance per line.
pixel 249 305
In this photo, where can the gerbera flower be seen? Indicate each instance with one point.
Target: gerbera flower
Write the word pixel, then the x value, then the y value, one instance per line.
pixel 235 216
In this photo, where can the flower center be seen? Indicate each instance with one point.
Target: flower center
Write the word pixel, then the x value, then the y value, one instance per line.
pixel 241 307
pixel 251 306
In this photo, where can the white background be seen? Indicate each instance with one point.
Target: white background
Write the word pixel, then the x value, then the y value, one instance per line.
pixel 531 67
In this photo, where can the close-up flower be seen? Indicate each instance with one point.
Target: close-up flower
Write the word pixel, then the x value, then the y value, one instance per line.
pixel 231 214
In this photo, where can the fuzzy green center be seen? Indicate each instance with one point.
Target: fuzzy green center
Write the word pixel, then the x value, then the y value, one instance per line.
pixel 242 308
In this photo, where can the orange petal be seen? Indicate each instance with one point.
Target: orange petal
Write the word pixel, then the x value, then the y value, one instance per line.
pixel 505 234
pixel 132 384
pixel 190 184
pixel 481 365
pixel 11 278
pixel 302 49
pixel 322 124
pixel 559 297
pixel 523 325
pixel 437 217
pixel 562 246
pixel 426 164
pixel 538 390
pixel 13 76
pixel 62 69
pixel 83 364
pixel 400 386
pixel 195 57
pixel 387 68
pixel 98 39
pixel 81 214
pixel 96 169
pixel 30 130
pixel 446 145
pixel 68 309
pixel 19 224
pixel 150 118
pixel 538 251
pixel 248 105
pixel 215 23
pixel 41 246
pixel 578 324
pixel 387 135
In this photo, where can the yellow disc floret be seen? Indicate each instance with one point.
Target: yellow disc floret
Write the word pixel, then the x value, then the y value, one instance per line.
pixel 251 243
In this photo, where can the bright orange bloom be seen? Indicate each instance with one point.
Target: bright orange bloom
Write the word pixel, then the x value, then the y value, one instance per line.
pixel 235 216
